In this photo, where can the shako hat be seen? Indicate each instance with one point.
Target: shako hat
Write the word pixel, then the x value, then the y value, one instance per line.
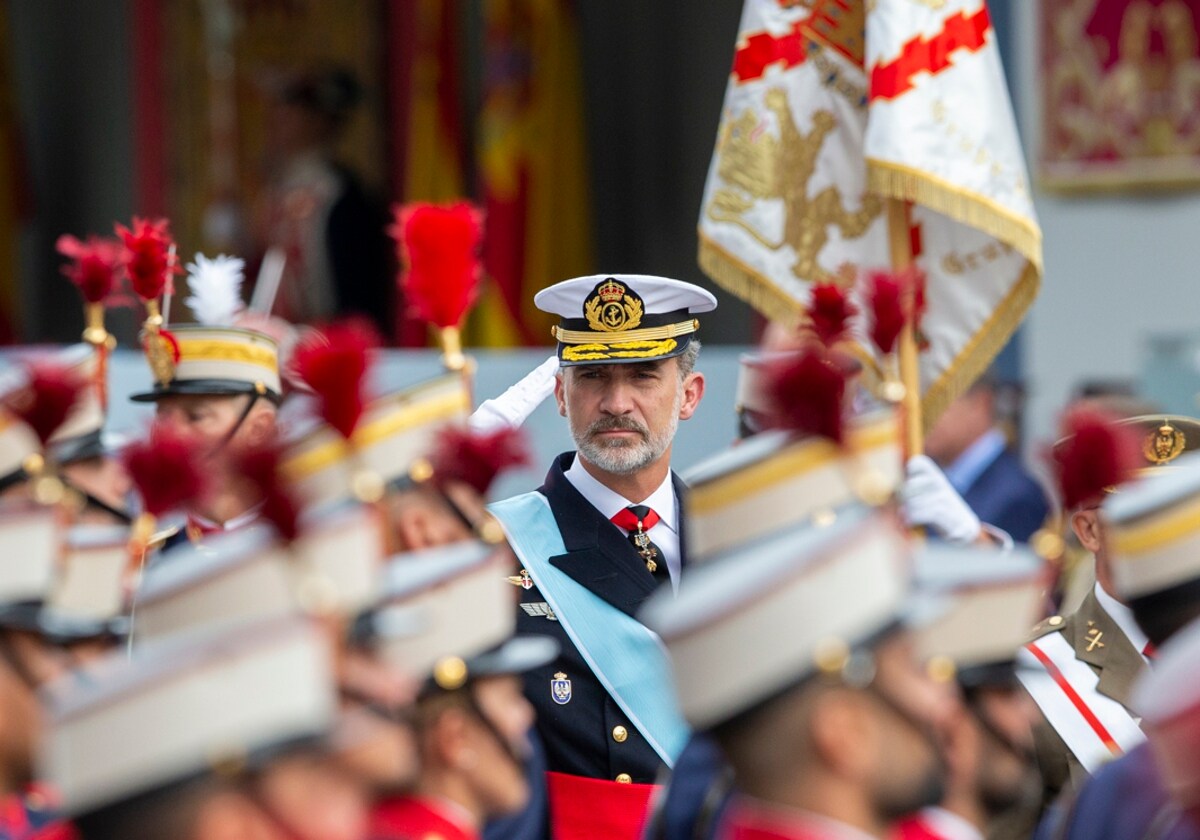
pixel 981 602
pixel 821 596
pixel 447 615
pixel 41 578
pixel 776 480
pixel 249 575
pixel 396 432
pixel 184 709
pixel 1154 529
pixel 615 318
pixel 215 361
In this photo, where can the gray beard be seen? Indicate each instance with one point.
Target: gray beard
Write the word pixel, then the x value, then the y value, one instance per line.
pixel 625 457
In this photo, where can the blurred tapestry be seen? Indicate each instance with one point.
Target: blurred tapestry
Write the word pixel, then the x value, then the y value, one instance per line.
pixel 1120 94
pixel 222 62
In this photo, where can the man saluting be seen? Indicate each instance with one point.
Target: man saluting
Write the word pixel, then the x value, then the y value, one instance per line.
pixel 599 536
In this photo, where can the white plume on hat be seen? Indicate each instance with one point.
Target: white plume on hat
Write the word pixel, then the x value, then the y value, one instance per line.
pixel 216 286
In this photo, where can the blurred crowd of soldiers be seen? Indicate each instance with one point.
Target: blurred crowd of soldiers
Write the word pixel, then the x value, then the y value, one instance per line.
pixel 287 609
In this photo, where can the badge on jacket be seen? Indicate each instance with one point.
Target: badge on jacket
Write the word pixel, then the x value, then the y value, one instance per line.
pixel 560 689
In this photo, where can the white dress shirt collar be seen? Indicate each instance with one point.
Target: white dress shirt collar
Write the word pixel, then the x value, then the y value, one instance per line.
pixel 1123 616
pixel 609 502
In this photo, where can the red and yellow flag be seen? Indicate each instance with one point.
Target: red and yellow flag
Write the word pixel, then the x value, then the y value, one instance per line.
pixel 532 164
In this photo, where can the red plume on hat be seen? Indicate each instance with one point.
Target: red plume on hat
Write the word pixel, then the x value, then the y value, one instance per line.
pixel 333 362
pixel 806 392
pixel 893 300
pixel 45 401
pixel 260 467
pixel 477 458
pixel 165 468
pixel 1096 454
pixel 147 256
pixel 95 265
pixel 829 313
pixel 439 247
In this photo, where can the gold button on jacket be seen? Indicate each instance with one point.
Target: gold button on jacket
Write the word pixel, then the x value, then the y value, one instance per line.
pixel 620 733
pixel 624 779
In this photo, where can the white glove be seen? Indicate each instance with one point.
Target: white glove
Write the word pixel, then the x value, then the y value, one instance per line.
pixel 514 406
pixel 931 502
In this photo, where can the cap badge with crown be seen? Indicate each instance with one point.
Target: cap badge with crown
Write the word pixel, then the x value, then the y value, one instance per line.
pixel 1164 444
pixel 613 308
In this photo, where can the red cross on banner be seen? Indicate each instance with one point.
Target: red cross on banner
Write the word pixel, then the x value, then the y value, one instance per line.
pixel 929 55
pixel 762 49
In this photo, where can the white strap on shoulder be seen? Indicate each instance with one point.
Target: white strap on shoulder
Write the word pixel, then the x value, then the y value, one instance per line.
pixel 1095 728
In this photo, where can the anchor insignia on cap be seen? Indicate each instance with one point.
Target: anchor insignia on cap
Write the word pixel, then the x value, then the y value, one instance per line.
pixel 613 307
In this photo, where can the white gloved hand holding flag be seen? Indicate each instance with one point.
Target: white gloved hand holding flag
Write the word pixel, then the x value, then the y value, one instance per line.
pixel 930 501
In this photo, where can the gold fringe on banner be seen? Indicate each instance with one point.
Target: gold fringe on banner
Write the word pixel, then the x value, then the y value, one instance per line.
pixel 765 297
pixel 736 277
pixel 893 180
pixel 979 352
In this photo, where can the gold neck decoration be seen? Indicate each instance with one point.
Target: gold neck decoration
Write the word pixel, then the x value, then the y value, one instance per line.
pixel 641 541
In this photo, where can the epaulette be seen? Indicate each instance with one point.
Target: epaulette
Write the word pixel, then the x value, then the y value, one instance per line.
pixel 1052 624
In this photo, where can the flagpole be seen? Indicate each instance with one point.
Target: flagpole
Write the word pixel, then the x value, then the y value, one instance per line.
pixel 899 221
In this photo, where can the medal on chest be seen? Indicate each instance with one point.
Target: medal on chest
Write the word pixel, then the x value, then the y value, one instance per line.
pixel 641 541
pixel 560 689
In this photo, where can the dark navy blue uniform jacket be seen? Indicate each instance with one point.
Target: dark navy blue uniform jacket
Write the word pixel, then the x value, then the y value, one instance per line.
pixel 578 734
pixel 1007 496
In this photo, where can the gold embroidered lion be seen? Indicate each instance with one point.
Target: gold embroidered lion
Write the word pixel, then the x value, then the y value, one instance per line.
pixel 755 166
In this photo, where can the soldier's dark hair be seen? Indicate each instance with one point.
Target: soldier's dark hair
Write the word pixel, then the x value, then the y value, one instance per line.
pixel 1162 614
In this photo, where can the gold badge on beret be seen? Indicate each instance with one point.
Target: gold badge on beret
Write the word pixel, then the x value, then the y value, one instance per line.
pixel 1164 444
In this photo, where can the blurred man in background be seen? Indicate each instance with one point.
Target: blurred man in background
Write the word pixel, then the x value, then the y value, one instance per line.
pixel 974 453
pixel 316 215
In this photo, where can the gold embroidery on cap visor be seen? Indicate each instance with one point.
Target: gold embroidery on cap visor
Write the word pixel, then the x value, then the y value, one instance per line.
pixel 621 350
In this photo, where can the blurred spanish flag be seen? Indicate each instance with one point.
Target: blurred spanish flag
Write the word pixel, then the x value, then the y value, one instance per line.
pixel 434 140
pixel 427 129
pixel 532 165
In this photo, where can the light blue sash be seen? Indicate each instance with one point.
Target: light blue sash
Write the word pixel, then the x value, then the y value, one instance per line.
pixel 627 657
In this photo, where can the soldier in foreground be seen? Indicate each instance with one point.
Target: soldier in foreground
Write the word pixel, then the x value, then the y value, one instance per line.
pixel 831 728
pixel 1153 528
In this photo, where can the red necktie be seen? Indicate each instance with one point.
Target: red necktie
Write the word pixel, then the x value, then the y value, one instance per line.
pixel 637 520
pixel 1148 651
